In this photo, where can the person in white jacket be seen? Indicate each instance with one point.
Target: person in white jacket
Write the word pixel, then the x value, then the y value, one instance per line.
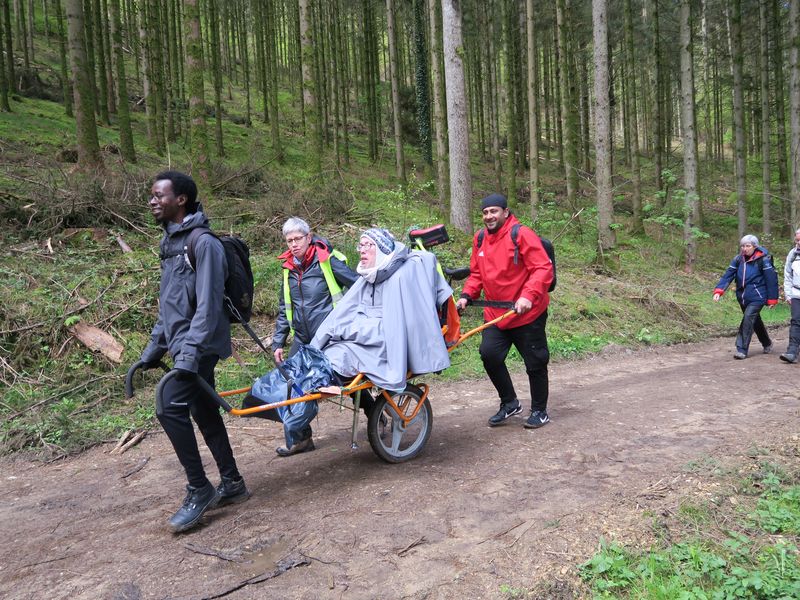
pixel 791 289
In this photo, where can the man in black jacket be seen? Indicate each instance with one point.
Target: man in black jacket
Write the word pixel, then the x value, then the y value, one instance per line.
pixel 194 328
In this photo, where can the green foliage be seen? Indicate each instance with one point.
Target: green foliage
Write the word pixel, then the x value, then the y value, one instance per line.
pixel 739 566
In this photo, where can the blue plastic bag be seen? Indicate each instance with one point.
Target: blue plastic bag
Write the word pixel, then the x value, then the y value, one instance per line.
pixel 309 369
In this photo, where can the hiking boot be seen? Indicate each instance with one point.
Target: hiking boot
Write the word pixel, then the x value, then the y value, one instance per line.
pixel 739 355
pixel 789 357
pixel 537 419
pixel 232 491
pixel 306 445
pixel 768 349
pixel 506 411
pixel 196 503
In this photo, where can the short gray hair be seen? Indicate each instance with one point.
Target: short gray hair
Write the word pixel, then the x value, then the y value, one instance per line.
pixel 295 224
pixel 749 239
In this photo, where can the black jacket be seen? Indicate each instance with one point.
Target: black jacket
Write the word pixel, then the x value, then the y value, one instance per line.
pixel 311 298
pixel 192 322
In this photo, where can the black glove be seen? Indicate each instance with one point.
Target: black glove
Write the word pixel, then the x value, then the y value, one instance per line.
pixel 184 374
pixel 151 364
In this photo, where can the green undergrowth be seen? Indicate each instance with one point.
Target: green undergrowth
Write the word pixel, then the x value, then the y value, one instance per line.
pixel 742 543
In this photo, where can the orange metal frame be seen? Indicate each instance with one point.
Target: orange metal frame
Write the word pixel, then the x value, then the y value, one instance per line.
pixel 357 384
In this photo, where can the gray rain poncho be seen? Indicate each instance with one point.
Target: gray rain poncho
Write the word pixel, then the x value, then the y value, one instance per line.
pixel 357 338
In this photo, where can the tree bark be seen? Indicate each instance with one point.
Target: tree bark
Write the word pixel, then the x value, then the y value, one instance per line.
pixel 688 133
pixel 533 112
pixel 86 128
pixel 394 67
pixel 567 110
pixel 637 224
pixel 313 141
pixel 439 116
pixel 735 28
pixel 766 168
pixel 198 144
pixel 460 178
pixel 794 103
pixel 123 110
pixel 606 238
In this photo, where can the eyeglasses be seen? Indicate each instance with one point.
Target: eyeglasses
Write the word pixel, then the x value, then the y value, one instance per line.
pixel 363 247
pixel 295 240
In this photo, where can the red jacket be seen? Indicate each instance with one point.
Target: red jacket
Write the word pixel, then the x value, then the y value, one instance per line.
pixel 492 270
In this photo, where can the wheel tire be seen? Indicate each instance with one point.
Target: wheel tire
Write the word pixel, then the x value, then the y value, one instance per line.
pixel 391 440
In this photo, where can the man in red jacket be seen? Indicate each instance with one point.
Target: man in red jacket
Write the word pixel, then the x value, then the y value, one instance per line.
pixel 520 275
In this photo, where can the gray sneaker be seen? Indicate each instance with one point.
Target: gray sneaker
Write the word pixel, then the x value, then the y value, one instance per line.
pixel 768 349
pixel 789 357
pixel 506 411
pixel 739 355
pixel 537 419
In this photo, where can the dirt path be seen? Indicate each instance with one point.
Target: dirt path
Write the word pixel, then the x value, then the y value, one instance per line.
pixel 480 509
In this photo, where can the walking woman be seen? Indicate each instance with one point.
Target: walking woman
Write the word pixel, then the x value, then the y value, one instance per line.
pixel 756 286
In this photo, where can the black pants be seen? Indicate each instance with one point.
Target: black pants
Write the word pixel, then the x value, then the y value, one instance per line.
pixel 182 399
pixel 794 327
pixel 751 323
pixel 531 342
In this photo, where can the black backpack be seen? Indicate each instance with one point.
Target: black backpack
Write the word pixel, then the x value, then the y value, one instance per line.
pixel 547 244
pixel 239 285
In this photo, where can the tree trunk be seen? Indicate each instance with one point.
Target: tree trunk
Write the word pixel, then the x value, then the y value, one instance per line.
pixel 86 128
pixel 533 112
pixel 658 116
pixel 637 224
pixel 314 140
pixel 439 116
pixel 393 68
pixel 606 238
pixel 510 94
pixel 421 84
pixel 460 178
pixel 123 111
pixel 4 105
pixel 766 171
pixel 780 112
pixel 735 28
pixel 198 144
pixel 688 133
pixel 794 102
pixel 9 46
pixel 567 110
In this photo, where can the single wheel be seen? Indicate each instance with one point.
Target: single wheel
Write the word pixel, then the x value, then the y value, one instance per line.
pixel 393 440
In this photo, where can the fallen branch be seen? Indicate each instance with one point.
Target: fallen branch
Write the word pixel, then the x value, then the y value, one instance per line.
pixel 132 442
pixel 137 468
pixel 123 245
pixel 122 439
pixel 501 533
pixel 413 544
pixel 290 562
pixel 229 556
pixel 224 182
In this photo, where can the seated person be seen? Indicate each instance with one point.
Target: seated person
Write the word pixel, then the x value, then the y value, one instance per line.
pixel 355 338
pixel 407 288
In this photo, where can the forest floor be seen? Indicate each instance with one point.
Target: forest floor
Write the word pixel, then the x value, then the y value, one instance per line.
pixel 482 513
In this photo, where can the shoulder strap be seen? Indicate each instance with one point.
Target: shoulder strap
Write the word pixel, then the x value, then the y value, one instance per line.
pixel 514 235
pixel 191 242
pixel 481 233
pixel 330 280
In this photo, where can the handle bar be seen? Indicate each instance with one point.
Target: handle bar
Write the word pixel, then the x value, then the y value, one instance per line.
pixel 132 371
pixel 457 274
pixel 202 383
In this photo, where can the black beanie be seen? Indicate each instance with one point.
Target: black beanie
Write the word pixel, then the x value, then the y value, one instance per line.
pixel 494 200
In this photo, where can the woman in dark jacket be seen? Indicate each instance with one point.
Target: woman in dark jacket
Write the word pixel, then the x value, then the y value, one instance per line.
pixel 756 285
pixel 313 277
